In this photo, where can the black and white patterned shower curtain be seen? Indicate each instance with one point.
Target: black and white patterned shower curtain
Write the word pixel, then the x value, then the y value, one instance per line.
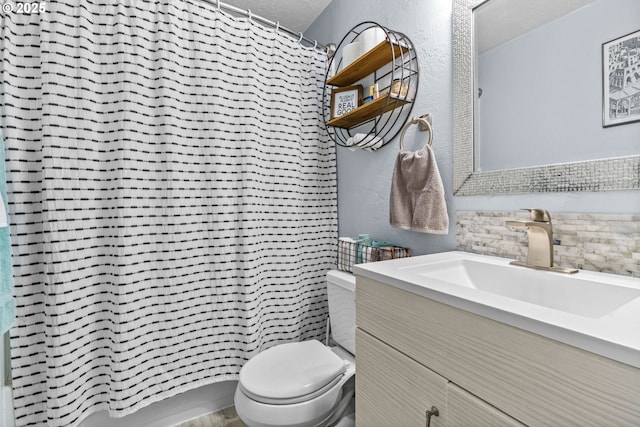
pixel 172 196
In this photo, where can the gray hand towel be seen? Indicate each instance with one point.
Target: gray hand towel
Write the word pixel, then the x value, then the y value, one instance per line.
pixel 417 195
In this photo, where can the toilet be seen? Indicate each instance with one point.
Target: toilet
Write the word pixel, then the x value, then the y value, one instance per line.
pixel 305 384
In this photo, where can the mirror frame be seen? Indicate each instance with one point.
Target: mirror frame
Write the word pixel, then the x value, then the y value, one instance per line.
pixel 618 173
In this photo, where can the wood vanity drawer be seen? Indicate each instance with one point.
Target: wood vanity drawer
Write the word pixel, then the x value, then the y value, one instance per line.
pixel 392 389
pixel 535 380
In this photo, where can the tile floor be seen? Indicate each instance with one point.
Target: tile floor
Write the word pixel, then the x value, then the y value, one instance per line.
pixel 224 418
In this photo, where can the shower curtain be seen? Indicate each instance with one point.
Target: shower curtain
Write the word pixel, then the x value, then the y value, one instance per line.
pixel 172 196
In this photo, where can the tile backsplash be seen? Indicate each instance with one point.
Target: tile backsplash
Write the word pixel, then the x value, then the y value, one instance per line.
pixel 609 243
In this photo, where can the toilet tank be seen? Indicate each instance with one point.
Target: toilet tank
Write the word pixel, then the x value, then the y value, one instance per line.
pixel 341 293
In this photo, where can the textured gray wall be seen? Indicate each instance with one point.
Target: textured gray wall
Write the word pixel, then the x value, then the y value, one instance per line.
pixel 364 178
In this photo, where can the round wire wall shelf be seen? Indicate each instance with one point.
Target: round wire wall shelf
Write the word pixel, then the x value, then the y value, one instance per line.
pixel 370 56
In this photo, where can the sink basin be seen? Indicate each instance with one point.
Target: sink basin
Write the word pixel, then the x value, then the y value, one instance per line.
pixel 568 293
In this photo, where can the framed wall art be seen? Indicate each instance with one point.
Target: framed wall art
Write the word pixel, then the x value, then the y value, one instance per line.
pixel 621 80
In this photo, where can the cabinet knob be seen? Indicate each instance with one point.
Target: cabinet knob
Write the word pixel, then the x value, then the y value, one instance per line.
pixel 433 412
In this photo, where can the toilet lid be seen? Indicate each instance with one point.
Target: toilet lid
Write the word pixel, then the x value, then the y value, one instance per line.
pixel 288 371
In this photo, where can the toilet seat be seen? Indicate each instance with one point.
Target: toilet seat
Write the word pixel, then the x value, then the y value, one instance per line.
pixel 291 373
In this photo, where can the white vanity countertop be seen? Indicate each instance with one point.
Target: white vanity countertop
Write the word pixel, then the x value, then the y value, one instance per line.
pixel 613 333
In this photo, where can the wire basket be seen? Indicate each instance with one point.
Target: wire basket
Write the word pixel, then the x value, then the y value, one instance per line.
pixel 351 252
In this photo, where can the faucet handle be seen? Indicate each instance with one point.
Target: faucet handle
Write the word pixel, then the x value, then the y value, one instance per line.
pixel 538 215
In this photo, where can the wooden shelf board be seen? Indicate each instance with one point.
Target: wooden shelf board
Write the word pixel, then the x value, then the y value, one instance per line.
pixel 367 111
pixel 366 64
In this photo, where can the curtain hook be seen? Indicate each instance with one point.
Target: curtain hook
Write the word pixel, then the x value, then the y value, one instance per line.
pixel 300 39
pixel 249 13
pixel 277 26
pixel 315 44
pixel 218 4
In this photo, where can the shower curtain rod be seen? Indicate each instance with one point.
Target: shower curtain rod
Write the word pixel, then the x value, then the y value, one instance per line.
pixel 276 25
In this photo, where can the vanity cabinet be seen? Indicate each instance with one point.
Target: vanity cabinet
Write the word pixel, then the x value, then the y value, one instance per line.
pixel 413 353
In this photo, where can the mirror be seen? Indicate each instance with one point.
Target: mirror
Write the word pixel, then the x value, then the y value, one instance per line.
pixel 582 156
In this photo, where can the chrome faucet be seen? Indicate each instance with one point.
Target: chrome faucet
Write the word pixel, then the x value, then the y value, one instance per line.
pixel 540 234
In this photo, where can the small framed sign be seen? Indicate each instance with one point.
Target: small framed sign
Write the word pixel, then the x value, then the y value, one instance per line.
pixel 345 99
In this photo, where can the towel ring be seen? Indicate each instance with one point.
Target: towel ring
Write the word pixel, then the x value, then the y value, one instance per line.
pixel 424 125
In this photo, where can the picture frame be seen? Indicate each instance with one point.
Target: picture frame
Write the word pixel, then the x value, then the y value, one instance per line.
pixel 620 83
pixel 345 99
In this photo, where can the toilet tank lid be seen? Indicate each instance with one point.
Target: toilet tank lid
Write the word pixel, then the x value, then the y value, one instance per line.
pixel 291 370
pixel 342 279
